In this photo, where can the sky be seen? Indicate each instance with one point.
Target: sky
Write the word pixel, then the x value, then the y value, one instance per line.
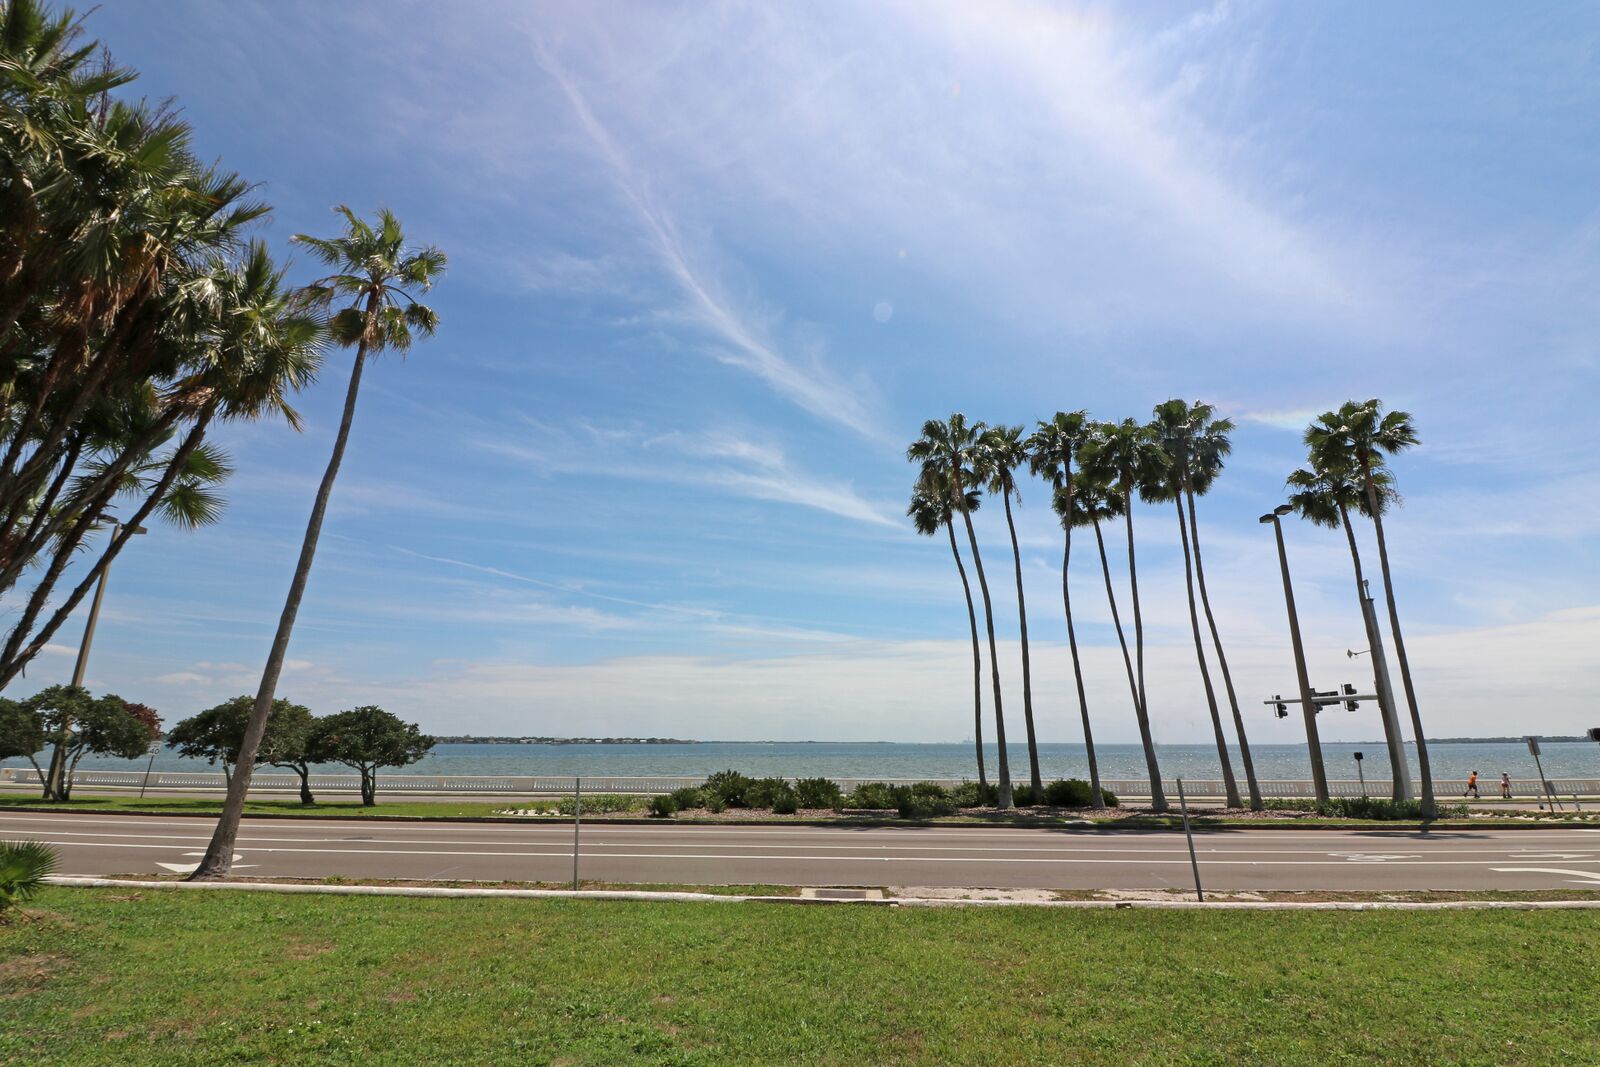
pixel 712 266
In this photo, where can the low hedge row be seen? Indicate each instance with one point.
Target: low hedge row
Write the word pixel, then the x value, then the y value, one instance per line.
pixel 922 800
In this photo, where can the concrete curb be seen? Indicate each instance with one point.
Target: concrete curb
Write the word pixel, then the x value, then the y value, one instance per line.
pixel 68 881
pixel 603 820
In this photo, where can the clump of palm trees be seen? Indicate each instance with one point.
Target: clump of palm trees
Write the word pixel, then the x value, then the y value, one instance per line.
pixel 1095 470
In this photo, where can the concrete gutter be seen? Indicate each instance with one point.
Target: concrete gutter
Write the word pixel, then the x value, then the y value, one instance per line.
pixel 68 881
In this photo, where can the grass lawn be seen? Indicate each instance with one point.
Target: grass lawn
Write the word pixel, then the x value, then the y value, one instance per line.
pixel 120 977
pixel 208 806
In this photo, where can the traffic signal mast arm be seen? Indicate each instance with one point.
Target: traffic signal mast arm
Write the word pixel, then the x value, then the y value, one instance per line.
pixel 1322 698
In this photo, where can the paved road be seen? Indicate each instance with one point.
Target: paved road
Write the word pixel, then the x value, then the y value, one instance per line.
pixel 800 855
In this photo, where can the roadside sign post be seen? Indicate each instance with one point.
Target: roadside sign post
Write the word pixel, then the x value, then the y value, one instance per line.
pixel 1194 863
pixel 155 749
pixel 577 818
pixel 1362 775
pixel 1544 783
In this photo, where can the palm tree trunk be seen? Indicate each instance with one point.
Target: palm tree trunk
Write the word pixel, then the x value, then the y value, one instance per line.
pixel 1222 661
pixel 218 859
pixel 1095 797
pixel 1027 676
pixel 977 662
pixel 1394 743
pixel 1424 772
pixel 1158 798
pixel 1229 785
pixel 994 655
pixel 1138 644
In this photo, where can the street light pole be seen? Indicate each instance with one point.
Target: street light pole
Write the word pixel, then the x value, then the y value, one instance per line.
pixel 1319 776
pixel 55 779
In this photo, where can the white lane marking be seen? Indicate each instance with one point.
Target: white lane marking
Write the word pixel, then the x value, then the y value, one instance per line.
pixel 190 868
pixel 561 839
pixel 1548 855
pixel 1583 877
pixel 737 857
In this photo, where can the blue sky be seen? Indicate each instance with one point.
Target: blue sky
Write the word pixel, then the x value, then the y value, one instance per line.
pixel 711 266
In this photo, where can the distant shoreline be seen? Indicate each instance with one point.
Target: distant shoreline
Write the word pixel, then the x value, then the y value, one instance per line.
pixel 471 739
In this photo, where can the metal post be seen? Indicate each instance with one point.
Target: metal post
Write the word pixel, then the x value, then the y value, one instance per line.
pixel 1544 783
pixel 1183 805
pixel 1386 705
pixel 577 817
pixel 155 746
pixel 1319 775
pixel 1362 775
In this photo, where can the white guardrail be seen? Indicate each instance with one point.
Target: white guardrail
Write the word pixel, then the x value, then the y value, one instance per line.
pixel 558 785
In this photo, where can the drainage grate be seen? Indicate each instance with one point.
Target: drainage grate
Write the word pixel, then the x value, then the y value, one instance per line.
pixel 841 894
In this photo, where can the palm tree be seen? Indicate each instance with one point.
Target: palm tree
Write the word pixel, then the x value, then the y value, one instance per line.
pixel 376 273
pixel 1052 450
pixel 1173 428
pixel 1362 436
pixel 1001 451
pixel 1210 446
pixel 949 450
pixel 929 512
pixel 1126 452
pixel 1325 496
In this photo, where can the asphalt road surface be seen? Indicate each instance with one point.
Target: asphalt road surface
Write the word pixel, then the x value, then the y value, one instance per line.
pixel 832 856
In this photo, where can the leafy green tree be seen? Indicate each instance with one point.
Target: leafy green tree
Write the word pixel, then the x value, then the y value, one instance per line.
pixel 929 512
pixel 948 452
pixel 21 733
pixel 1173 427
pixel 1126 454
pixel 1361 437
pixel 82 723
pixel 375 275
pixel 1326 497
pixel 367 738
pixel 1000 452
pixel 1053 452
pixel 217 733
pixel 286 742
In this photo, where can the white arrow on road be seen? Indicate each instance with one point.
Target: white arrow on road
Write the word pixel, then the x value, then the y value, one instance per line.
pixel 1374 857
pixel 190 868
pixel 1549 855
pixel 1583 877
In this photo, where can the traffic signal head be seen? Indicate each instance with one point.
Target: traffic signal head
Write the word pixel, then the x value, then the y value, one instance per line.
pixel 1282 709
pixel 1350 691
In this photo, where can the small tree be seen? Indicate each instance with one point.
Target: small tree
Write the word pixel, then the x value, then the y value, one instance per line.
pixel 216 735
pixel 82 723
pixel 285 742
pixel 21 733
pixel 367 738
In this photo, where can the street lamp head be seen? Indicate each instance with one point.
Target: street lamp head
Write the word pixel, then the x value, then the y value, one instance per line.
pixel 1267 517
pixel 1283 509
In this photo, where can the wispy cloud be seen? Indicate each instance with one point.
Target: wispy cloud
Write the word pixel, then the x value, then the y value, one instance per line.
pixel 743 336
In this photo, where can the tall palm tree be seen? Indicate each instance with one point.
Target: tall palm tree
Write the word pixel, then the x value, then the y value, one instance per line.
pixel 949 450
pixel 1052 453
pixel 1210 447
pixel 930 511
pixel 1325 496
pixel 1174 428
pixel 376 272
pixel 1363 437
pixel 1001 451
pixel 1125 452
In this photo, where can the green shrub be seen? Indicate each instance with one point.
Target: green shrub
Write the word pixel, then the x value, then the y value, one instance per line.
pixel 663 807
pixel 731 786
pixel 1022 796
pixel 818 793
pixel 600 803
pixel 1385 809
pixel 916 802
pixel 688 798
pixel 785 802
pixel 972 795
pixel 1278 804
pixel 24 865
pixel 873 795
pixel 715 804
pixel 1074 793
pixel 763 791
